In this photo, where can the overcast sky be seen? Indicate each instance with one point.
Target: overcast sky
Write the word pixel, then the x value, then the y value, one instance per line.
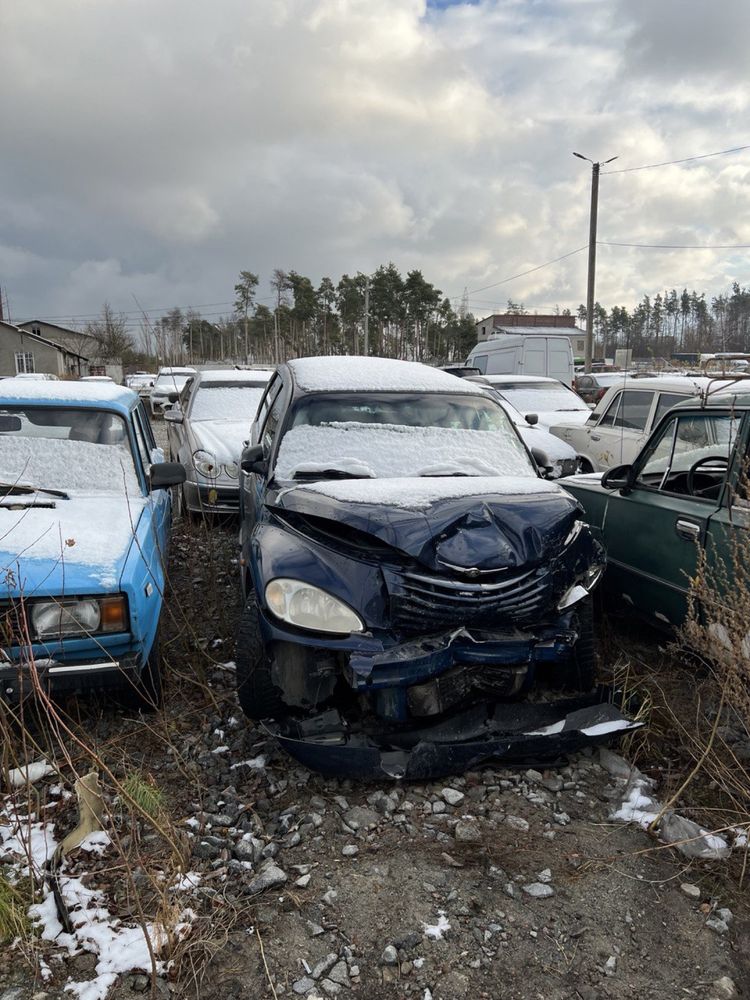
pixel 154 148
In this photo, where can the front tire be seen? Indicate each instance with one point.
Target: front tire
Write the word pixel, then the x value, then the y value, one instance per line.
pixel 258 695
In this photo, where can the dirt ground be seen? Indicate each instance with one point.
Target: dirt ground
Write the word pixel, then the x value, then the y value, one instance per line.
pixel 501 883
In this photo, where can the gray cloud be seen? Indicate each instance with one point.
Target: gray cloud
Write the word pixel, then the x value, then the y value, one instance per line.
pixel 156 148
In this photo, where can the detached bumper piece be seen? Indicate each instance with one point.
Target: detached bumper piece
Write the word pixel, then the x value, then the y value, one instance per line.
pixel 506 733
pixel 16 681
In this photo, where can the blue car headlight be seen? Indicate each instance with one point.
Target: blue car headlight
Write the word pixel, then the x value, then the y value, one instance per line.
pixel 309 607
pixel 63 618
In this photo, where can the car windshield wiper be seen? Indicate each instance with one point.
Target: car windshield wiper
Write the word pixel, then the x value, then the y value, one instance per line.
pixel 12 489
pixel 329 474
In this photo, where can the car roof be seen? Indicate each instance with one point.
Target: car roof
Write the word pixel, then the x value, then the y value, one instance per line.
pixel 93 394
pixel 507 379
pixel 349 373
pixel 252 377
pixel 177 371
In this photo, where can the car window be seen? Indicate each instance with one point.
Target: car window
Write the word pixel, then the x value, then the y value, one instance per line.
pixel 146 425
pixel 144 448
pixel 683 441
pixel 584 381
pixel 635 406
pixel 608 418
pixel 272 390
pixel 268 432
pixel 480 362
pixel 666 401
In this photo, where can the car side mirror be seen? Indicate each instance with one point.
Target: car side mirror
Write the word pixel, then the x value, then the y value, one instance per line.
pixel 166 474
pixel 253 460
pixel 619 477
pixel 540 457
pixel 173 416
pixel 532 418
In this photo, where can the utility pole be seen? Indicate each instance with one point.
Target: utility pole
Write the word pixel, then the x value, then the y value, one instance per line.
pixel 593 215
pixel 367 316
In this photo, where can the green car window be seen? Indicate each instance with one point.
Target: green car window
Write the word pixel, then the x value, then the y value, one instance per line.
pixel 685 440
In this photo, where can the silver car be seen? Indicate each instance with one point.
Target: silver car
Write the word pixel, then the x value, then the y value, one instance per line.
pixel 206 429
pixel 169 384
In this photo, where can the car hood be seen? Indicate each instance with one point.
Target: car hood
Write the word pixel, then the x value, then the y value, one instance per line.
pixel 471 524
pixel 73 546
pixel 573 418
pixel 537 436
pixel 222 438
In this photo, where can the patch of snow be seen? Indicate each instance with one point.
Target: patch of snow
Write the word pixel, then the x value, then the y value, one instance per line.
pixel 614 726
pixel 395 451
pixel 94 531
pixel 186 882
pixel 61 464
pixel 222 438
pixel 96 842
pixel 366 374
pixel 226 402
pixel 436 931
pixel 258 763
pixel 638 806
pixel 555 727
pixel 31 773
pixel 28 840
pixel 222 749
pixel 419 494
pixel 65 391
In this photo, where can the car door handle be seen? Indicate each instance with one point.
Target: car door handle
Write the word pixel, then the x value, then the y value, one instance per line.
pixel 596 437
pixel 688 530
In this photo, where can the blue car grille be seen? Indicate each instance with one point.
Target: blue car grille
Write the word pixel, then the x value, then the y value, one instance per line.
pixel 419 601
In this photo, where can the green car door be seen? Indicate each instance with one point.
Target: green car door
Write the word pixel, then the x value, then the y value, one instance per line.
pixel 675 497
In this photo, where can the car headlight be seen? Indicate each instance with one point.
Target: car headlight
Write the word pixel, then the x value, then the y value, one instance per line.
pixel 309 607
pixel 583 588
pixel 86 616
pixel 232 470
pixel 205 464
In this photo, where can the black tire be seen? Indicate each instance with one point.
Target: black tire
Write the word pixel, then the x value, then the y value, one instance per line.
pixel 258 695
pixel 580 672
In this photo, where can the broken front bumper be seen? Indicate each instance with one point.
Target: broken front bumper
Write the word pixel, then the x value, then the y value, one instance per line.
pixel 513 733
pixel 19 679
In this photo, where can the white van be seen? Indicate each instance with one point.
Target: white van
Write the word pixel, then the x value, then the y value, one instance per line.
pixel 527 354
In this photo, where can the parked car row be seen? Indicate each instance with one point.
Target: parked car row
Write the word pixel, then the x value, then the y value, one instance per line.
pixel 409 570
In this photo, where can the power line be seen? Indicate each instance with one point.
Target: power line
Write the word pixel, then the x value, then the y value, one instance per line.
pixel 678 246
pixel 531 270
pixel 669 163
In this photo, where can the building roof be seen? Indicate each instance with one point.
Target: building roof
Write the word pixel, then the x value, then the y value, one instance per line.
pixel 55 326
pixel 42 340
pixel 364 374
pixel 21 390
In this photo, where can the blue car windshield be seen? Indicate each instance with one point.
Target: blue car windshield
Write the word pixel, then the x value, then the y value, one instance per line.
pixel 63 448
pixel 395 435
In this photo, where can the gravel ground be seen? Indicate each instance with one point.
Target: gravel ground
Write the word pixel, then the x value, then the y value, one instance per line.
pixel 502 883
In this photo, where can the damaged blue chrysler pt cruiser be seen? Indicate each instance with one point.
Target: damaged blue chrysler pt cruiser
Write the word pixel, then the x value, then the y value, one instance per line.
pixel 405 567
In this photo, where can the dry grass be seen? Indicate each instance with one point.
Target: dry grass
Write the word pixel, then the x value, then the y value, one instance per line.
pixel 15 899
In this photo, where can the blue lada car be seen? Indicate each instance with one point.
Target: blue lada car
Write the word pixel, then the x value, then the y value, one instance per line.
pixel 85 514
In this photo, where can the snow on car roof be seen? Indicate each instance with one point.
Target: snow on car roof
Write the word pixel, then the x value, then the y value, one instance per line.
pixel 65 392
pixel 505 379
pixel 254 377
pixel 177 371
pixel 363 374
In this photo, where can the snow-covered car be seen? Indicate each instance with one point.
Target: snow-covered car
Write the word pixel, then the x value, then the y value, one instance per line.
pixel 141 382
pixel 207 429
pixel 85 512
pixel 167 388
pixel 400 553
pixel 621 422
pixel 549 399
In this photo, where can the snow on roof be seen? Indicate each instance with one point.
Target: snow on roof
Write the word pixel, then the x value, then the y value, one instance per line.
pixel 419 494
pixel 64 391
pixel 235 375
pixel 363 374
pixel 544 331
pixel 177 371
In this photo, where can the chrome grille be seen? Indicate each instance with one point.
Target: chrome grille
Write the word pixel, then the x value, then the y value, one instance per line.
pixel 419 601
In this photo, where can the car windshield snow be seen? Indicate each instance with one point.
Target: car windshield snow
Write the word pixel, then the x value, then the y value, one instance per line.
pixel 171 383
pixel 61 448
pixel 389 436
pixel 528 397
pixel 226 401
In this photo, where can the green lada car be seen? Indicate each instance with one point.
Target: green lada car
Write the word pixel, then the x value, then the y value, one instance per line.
pixel 685 492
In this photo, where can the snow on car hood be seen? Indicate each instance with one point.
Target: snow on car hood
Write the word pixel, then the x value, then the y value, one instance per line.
pixel 222 438
pixel 485 523
pixel 572 418
pixel 76 546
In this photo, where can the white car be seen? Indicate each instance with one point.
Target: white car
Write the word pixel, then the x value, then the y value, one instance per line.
pixel 206 431
pixel 169 381
pixel 551 400
pixel 622 421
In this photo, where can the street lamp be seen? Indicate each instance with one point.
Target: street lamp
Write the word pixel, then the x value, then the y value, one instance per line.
pixel 592 257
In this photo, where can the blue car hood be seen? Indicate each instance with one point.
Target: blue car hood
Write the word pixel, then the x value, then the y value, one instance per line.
pixel 56 546
pixel 522 522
